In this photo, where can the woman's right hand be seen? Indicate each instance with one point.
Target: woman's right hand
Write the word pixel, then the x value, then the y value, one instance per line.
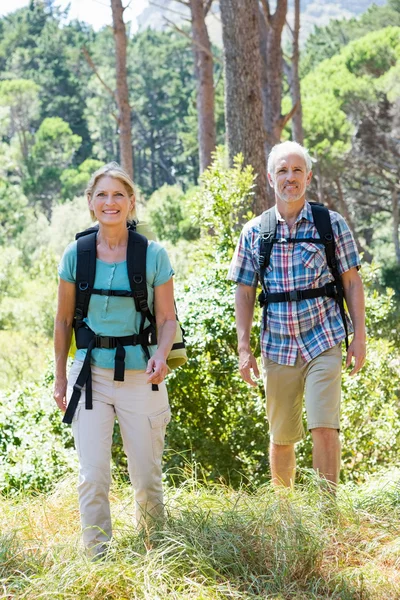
pixel 60 393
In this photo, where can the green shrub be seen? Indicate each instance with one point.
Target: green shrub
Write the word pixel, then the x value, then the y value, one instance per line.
pixel 36 450
pixel 172 214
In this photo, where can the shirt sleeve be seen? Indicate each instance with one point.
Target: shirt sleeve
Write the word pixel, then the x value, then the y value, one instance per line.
pixel 242 269
pixel 346 248
pixel 164 270
pixel 67 265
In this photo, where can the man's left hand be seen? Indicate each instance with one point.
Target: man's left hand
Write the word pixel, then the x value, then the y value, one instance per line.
pixel 357 350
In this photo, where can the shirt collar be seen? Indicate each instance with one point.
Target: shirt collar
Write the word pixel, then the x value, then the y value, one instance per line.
pixel 306 213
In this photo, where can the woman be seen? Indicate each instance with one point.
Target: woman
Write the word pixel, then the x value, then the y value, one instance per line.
pixel 140 401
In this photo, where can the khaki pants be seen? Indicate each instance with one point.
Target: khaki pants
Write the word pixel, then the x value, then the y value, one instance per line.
pixel 143 415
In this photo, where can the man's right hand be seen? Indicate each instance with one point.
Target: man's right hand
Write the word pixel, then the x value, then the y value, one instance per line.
pixel 248 363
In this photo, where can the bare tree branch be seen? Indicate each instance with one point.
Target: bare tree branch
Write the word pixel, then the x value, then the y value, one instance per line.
pixel 171 10
pixel 189 37
pixel 95 71
pixel 207 6
pixel 290 28
pixel 285 118
pixel 266 11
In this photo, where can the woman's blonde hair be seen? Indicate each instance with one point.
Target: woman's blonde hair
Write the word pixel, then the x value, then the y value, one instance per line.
pixel 112 169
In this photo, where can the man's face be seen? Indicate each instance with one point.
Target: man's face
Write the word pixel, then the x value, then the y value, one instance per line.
pixel 290 178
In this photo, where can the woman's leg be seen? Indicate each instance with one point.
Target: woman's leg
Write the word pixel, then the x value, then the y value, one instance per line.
pixel 92 430
pixel 143 416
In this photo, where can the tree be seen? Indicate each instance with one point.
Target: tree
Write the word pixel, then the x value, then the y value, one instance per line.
pixel 328 40
pixel 243 103
pixel 37 45
pixel 271 26
pixel 297 118
pixel 203 62
pixel 52 152
pixel 124 110
pixel 350 128
pixel 20 101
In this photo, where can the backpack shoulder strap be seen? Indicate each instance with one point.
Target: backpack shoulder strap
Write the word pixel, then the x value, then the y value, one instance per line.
pixel 136 264
pixel 322 222
pixel 267 235
pixel 85 273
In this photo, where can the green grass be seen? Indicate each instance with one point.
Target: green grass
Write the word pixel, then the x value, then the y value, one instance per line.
pixel 216 543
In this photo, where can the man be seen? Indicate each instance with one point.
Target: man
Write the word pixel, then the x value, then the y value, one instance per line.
pixel 301 339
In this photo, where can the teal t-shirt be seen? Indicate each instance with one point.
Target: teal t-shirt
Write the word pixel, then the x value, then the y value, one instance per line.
pixel 114 316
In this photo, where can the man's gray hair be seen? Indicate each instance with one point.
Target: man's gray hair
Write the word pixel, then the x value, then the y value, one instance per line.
pixel 288 147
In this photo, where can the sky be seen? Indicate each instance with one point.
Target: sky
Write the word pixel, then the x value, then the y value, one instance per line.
pixel 95 12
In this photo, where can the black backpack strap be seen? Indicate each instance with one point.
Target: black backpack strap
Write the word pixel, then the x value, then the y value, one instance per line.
pixel 136 264
pixel 322 222
pixel 85 273
pixel 267 237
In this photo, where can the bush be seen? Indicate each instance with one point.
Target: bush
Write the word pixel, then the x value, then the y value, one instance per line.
pixel 36 450
pixel 172 214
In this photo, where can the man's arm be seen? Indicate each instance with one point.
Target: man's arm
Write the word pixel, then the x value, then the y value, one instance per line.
pixel 354 294
pixel 244 310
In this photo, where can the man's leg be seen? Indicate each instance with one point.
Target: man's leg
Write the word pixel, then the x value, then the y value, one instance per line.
pixel 326 453
pixel 284 388
pixel 283 464
pixel 323 394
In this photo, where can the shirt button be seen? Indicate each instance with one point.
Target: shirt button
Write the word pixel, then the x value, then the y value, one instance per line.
pixel 165 419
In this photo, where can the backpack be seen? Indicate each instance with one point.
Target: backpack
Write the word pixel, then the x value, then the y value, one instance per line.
pixel 323 225
pixel 86 338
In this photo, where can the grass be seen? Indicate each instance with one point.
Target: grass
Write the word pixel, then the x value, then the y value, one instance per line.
pixel 216 543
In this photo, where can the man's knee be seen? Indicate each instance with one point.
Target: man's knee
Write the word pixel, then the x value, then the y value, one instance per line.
pixel 325 434
pixel 281 448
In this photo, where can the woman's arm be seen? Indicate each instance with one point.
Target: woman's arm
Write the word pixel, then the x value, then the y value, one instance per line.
pixel 166 328
pixel 62 339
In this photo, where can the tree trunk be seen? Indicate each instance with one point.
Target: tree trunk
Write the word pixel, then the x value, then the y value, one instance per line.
pixel 124 110
pixel 297 119
pixel 271 30
pixel 243 103
pixel 203 61
pixel 395 213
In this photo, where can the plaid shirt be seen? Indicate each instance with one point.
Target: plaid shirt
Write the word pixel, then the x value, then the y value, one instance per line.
pixel 308 326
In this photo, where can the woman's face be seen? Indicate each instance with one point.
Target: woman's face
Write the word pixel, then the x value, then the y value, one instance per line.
pixel 110 201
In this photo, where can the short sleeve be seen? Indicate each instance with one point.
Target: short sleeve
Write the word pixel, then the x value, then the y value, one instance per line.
pixel 67 266
pixel 164 270
pixel 241 269
pixel 346 247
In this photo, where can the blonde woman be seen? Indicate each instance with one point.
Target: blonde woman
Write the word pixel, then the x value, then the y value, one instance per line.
pixel 120 366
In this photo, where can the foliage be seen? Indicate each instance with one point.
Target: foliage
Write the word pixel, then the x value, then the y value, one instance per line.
pixel 14 212
pixel 74 180
pixel 171 214
pixel 328 40
pixel 216 544
pixel 224 201
pixel 161 65
pixel 35 449
pixel 52 152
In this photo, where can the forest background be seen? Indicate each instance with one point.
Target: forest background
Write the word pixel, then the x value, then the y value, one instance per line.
pixel 200 172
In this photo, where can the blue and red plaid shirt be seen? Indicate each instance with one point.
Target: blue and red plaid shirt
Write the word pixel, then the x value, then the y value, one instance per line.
pixel 307 326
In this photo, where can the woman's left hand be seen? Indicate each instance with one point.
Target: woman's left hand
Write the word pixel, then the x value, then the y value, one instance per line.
pixel 157 368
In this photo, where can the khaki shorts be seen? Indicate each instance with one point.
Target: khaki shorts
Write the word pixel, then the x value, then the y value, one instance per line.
pixel 320 382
